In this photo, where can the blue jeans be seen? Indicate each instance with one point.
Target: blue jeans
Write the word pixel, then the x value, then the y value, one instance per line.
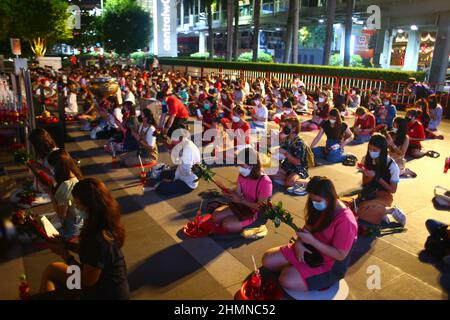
pixel 360 139
pixel 333 156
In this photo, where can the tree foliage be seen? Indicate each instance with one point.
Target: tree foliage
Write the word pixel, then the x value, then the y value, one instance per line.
pixel 30 19
pixel 125 26
pixel 312 36
pixel 89 35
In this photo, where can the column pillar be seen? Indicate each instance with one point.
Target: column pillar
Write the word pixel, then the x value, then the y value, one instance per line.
pixel 385 56
pixel 201 42
pixel 412 51
pixel 439 63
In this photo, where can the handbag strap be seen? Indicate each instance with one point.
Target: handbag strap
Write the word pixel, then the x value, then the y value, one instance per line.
pixel 257 188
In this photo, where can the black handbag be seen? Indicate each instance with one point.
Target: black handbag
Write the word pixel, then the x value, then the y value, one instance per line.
pixel 438 244
pixel 313 259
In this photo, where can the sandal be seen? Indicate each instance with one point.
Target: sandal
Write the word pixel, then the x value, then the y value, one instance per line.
pixel 432 154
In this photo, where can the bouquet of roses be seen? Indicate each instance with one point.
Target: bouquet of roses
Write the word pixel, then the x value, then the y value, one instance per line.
pixel 17 146
pixel 378 231
pixel 22 156
pixel 277 214
pixel 26 197
pixel 27 223
pixel 203 172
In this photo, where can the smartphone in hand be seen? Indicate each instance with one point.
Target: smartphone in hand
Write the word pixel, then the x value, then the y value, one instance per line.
pixel 361 167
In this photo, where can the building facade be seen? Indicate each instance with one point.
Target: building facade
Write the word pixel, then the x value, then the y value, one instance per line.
pixel 411 32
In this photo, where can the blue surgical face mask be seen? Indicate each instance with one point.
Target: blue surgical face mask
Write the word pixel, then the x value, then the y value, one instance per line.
pixel 206 106
pixel 319 205
pixel 386 103
pixel 374 154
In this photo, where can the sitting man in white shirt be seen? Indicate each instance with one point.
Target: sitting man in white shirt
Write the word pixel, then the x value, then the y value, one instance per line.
pixel 179 180
pixel 261 113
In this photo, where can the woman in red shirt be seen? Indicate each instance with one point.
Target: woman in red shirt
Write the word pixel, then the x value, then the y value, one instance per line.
pixel 320 113
pixel 241 128
pixel 364 126
pixel 416 133
pixel 226 104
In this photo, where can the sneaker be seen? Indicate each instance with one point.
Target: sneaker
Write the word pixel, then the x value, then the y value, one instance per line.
pixel 298 190
pixel 386 219
pixel 399 216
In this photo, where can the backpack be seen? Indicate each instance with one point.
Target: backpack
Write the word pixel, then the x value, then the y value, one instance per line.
pixel 309 156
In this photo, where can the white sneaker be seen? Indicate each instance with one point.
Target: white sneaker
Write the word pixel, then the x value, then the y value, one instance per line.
pixel 399 216
pixel 297 189
pixel 386 219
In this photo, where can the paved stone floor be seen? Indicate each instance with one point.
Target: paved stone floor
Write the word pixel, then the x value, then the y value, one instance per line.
pixel 163 264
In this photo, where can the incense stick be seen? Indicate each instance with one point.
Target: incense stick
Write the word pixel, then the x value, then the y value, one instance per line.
pixel 254 264
pixel 140 161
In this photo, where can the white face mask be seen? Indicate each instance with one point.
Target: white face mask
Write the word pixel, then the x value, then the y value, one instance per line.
pixel 286 111
pixel 332 121
pixel 236 119
pixel 321 99
pixel 245 171
pixel 394 130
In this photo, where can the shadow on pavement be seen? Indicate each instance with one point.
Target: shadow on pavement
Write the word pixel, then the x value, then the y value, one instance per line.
pixel 441 266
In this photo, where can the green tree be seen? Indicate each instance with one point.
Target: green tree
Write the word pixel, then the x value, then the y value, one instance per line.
pixel 312 36
pixel 41 22
pixel 5 20
pixel 125 26
pixel 89 34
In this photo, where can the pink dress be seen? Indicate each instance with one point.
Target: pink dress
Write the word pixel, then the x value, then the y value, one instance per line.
pixel 340 234
pixel 251 191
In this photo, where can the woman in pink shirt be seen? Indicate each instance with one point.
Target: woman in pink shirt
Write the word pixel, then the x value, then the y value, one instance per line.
pixel 253 187
pixel 329 234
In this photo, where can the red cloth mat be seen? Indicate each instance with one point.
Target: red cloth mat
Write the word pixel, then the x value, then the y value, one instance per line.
pixel 201 226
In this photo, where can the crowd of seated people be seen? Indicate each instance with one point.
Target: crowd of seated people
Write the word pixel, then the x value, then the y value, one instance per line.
pixel 152 107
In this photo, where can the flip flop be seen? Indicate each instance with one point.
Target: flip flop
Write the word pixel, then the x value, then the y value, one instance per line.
pixel 432 154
